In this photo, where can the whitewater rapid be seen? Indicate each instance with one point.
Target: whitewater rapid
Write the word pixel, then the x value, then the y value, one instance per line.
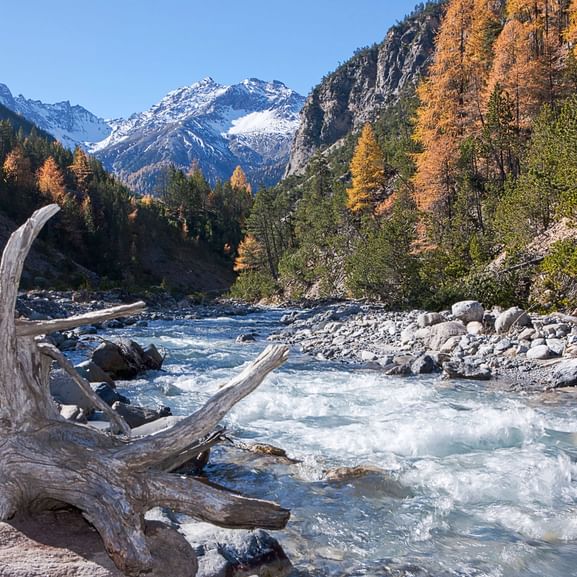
pixel 476 482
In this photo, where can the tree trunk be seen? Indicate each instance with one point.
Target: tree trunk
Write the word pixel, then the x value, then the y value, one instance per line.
pixel 46 460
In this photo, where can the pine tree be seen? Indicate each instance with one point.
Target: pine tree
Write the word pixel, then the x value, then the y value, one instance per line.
pixel 367 170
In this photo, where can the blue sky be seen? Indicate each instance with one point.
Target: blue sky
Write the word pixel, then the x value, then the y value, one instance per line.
pixel 116 57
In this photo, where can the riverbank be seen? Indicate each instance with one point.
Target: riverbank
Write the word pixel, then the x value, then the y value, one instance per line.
pixel 512 348
pixel 516 349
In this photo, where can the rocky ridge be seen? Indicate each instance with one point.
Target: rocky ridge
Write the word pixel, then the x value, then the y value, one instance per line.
pixel 362 88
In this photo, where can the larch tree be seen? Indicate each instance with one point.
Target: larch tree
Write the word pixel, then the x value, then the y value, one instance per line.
pixel 18 169
pixel 442 120
pixel 81 169
pixel 51 181
pixel 239 181
pixel 250 254
pixel 367 170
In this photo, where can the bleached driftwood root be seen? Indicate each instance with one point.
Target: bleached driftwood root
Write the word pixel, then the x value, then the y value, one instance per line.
pixel 45 460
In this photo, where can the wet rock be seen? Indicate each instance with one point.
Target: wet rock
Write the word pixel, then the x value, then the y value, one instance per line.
pixel 153 358
pixel 423 365
pixel 246 338
pixel 138 416
pixel 227 553
pixel 126 359
pixel 511 317
pixel 464 370
pixel 468 311
pixel 85 330
pixel 93 373
pixel 373 479
pixel 109 394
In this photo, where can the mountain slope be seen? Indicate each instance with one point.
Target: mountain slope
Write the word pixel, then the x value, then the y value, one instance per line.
pixel 362 88
pixel 71 125
pixel 217 126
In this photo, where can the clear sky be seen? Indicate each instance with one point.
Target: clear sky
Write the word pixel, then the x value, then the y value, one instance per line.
pixel 116 57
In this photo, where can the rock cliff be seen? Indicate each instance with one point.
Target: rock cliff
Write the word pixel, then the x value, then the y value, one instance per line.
pixel 360 89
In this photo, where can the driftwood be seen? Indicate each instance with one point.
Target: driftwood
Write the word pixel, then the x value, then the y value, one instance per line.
pixel 46 461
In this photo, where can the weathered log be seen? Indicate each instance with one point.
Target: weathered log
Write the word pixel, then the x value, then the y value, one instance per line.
pixel 46 460
pixel 34 328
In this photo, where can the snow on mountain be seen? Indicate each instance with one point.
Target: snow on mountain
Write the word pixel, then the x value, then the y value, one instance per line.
pixel 72 125
pixel 218 126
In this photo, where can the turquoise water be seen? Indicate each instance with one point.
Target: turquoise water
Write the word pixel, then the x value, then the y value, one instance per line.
pixel 474 482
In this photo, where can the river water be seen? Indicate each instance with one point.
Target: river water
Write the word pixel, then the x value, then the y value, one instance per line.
pixel 475 481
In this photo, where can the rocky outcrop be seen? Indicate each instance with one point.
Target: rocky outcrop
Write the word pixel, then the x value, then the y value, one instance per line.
pixel 360 89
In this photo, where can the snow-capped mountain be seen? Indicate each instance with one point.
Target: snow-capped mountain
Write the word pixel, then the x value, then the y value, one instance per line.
pixel 219 127
pixel 71 125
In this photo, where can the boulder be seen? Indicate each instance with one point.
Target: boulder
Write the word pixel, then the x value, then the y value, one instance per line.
pixel 442 332
pixel 93 373
pixel 138 416
pixel 109 394
pixel 126 359
pixel 63 544
pixel 423 365
pixel 111 359
pixel 539 353
pixel 246 338
pixel 153 358
pixel 66 392
pixel 511 317
pixel 475 328
pixel 564 374
pixel 429 319
pixel 468 311
pixel 228 553
pixel 73 413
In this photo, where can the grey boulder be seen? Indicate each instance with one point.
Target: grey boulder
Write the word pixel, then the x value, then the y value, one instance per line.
pixel 468 311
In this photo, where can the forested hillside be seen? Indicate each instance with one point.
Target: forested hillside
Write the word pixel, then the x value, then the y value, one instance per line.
pixel 465 188
pixel 107 236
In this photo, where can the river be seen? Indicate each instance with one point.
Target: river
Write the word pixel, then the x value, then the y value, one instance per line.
pixel 476 481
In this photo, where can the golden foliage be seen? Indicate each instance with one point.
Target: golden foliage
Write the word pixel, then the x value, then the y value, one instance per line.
pixel 18 169
pixel 51 181
pixel 238 180
pixel 250 254
pixel 367 169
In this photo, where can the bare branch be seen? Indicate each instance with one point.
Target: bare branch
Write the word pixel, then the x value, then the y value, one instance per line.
pixel 213 505
pixel 11 266
pixel 150 450
pixel 35 328
pixel 116 419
